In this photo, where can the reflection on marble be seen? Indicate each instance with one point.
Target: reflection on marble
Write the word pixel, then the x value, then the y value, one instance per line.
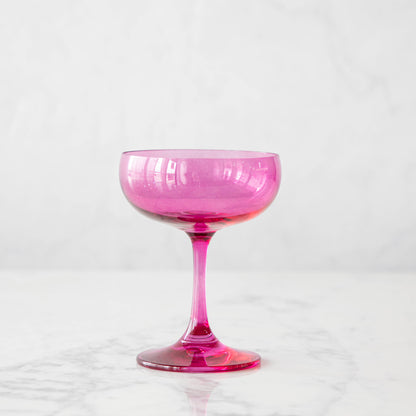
pixel 331 344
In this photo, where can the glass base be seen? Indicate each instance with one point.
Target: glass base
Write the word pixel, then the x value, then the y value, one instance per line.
pixel 191 358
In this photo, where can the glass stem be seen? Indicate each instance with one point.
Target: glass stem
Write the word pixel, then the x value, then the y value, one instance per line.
pixel 198 328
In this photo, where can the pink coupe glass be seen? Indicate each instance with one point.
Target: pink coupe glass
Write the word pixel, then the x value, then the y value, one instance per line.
pixel 199 192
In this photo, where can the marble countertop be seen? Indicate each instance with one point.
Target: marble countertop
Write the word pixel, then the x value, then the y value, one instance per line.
pixel 331 344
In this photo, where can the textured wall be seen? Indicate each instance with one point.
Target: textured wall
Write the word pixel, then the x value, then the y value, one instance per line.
pixel 329 85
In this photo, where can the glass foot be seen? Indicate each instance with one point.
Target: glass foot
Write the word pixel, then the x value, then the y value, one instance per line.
pixel 191 358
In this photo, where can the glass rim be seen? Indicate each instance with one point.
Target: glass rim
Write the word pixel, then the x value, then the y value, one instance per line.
pixel 204 153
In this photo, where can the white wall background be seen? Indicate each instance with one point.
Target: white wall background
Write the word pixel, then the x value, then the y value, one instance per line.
pixel 329 85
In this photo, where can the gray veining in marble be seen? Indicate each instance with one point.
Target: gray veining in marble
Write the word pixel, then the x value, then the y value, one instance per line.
pixel 332 345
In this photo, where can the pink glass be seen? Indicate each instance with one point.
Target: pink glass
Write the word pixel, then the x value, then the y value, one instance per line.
pixel 199 192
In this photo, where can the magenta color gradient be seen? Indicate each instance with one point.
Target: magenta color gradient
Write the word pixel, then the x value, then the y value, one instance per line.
pixel 200 192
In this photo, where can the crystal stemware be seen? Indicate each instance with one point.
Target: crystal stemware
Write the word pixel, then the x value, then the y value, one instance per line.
pixel 199 192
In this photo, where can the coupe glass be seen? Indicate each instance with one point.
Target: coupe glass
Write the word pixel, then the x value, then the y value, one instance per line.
pixel 199 192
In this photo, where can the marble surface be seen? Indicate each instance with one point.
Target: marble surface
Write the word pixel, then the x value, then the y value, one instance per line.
pixel 332 344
